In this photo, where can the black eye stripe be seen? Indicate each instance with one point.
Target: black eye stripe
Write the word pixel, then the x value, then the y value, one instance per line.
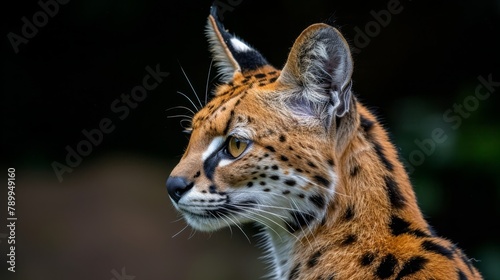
pixel 221 153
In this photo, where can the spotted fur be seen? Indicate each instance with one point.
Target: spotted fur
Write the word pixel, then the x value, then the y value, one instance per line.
pixel 318 173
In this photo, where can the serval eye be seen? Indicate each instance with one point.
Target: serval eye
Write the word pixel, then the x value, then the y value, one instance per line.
pixel 236 146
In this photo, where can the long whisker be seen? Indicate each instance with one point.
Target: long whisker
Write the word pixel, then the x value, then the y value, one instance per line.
pixel 251 216
pixel 191 85
pixel 193 232
pixel 253 210
pixel 307 223
pixel 180 231
pixel 227 223
pixel 178 219
pixel 260 221
pixel 238 226
pixel 208 78
pixel 179 116
pixel 182 107
pixel 191 101
pixel 307 180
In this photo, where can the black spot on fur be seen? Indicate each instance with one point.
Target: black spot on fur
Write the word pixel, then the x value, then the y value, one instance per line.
pixel 411 266
pixel 282 138
pixel 294 273
pixel 330 162
pixel 400 226
pixel 311 164
pixel 260 75
pixel 351 238
pixel 318 200
pixel 322 181
pixel 286 192
pixel 250 184
pixel 274 167
pixel 461 275
pixel 366 124
pixel 386 266
pixel 380 153
pixel 395 196
pixel 197 174
pixel 433 247
pixel 354 170
pixel 284 158
pixel 271 149
pixel 367 259
pixel 349 213
pixel 272 80
pixel 274 177
pixel 290 182
pixel 313 260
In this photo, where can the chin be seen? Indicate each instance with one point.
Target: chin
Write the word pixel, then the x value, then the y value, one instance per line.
pixel 207 224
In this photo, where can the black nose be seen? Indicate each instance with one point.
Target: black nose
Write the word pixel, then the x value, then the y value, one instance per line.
pixel 177 186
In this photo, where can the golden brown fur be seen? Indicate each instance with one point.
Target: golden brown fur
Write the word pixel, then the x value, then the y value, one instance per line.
pixel 319 174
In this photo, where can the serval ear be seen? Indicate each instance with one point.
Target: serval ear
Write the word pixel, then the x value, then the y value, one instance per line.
pixel 318 71
pixel 230 53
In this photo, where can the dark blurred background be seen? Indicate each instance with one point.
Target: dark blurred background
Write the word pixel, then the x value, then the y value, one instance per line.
pixel 430 69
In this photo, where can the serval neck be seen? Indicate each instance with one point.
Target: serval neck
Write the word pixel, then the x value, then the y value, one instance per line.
pixel 369 200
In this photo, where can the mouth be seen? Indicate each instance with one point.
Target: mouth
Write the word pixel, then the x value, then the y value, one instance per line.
pixel 204 218
pixel 213 211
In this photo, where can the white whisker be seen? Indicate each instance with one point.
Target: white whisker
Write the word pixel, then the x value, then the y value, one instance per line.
pixel 182 107
pixel 193 232
pixel 238 226
pixel 192 88
pixel 227 223
pixel 208 78
pixel 179 116
pixel 301 213
pixel 190 101
pixel 180 231
pixel 249 216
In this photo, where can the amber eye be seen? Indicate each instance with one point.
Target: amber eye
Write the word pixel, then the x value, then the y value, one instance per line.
pixel 236 146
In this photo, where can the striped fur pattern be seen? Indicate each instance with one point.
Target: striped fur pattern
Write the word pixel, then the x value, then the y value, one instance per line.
pixel 296 153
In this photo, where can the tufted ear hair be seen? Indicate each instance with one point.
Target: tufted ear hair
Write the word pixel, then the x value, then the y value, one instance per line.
pixel 230 53
pixel 318 71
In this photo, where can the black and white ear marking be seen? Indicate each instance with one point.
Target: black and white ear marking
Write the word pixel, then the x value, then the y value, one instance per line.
pixel 230 53
pixel 320 67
